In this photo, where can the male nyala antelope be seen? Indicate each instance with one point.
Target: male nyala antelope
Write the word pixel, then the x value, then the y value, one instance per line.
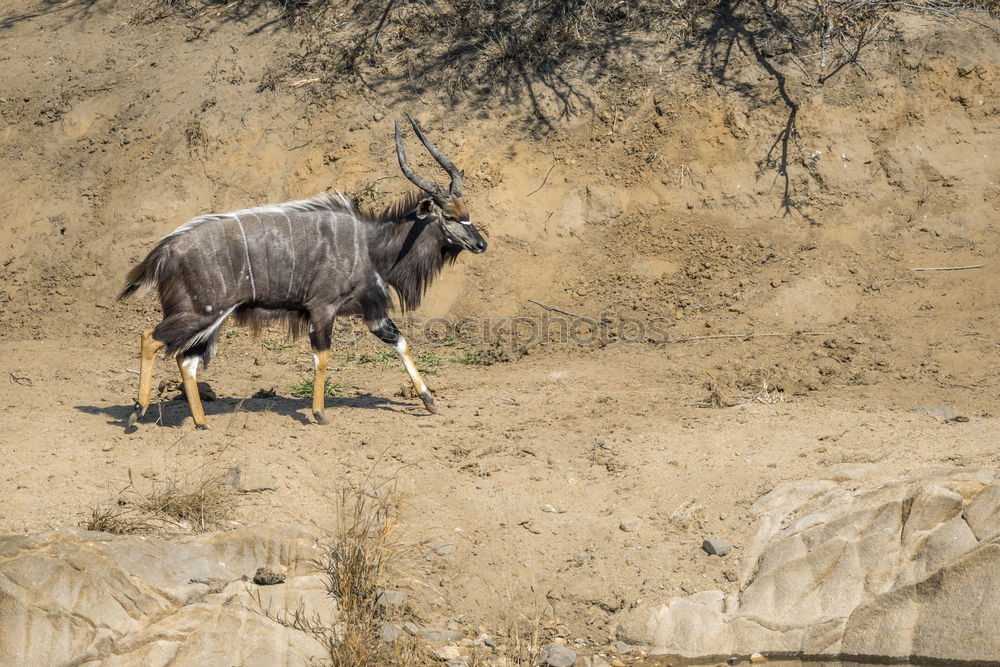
pixel 305 262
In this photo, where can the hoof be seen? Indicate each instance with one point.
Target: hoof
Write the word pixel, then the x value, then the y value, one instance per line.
pixel 202 427
pixel 429 403
pixel 137 412
pixel 320 418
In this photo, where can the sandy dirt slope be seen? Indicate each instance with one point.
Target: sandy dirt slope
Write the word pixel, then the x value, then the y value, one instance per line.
pixel 658 213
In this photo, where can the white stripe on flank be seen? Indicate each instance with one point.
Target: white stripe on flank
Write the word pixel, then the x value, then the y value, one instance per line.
pixel 357 243
pixel 327 201
pixel 246 253
pixel 291 241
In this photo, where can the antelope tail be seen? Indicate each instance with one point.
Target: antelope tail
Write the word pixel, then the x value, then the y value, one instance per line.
pixel 143 275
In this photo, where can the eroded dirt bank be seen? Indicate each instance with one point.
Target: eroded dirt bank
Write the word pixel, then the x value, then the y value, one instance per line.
pixel 659 211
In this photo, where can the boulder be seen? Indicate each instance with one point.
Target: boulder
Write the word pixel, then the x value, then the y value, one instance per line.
pixel 70 596
pixel 852 565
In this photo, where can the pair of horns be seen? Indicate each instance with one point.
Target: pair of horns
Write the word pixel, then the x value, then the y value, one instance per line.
pixel 430 187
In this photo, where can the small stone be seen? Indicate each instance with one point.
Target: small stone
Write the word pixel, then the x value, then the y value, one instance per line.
pixel 757 659
pixel 557 655
pixel 617 663
pixel 631 524
pixel 390 632
pixel 390 599
pixel 714 547
pixel 107 447
pixel 549 508
pixel 249 480
pixel 439 635
pixel 444 548
pixel 448 653
pixel 733 661
pixel 265 576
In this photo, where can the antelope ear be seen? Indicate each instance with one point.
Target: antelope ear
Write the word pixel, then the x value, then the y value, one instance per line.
pixel 425 208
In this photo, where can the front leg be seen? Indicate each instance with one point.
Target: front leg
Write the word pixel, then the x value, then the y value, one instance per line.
pixel 321 359
pixel 387 332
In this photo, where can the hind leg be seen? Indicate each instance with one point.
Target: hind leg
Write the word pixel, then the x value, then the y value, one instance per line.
pixel 320 334
pixel 148 347
pixel 188 366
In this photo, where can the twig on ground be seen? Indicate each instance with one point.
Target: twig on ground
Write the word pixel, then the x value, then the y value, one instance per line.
pixel 551 167
pixel 947 268
pixel 132 371
pixel 751 335
pixel 566 312
pixel 21 380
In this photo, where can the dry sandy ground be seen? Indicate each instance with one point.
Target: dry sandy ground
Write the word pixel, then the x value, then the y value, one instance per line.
pixel 657 211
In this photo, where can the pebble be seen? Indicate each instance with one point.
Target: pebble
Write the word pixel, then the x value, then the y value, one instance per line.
pixel 438 635
pixel 631 524
pixel 617 663
pixel 390 632
pixel 444 548
pixel 448 653
pixel 757 659
pixel 250 480
pixel 549 508
pixel 557 655
pixel 390 599
pixel 715 547
pixel 265 576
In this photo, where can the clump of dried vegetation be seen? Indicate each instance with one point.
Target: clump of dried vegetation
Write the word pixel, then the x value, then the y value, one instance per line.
pixel 361 560
pixel 188 503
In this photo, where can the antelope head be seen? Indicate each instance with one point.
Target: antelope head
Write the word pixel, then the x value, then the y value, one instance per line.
pixel 444 206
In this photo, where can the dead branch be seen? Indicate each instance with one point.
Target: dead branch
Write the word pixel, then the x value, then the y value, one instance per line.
pixel 947 268
pixel 566 312
pixel 751 335
pixel 551 167
pixel 21 380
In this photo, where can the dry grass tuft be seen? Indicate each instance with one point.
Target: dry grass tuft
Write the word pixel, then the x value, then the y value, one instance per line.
pixel 360 562
pixel 200 504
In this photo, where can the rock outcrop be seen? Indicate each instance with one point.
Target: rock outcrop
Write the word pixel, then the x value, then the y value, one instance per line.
pixel 70 596
pixel 844 566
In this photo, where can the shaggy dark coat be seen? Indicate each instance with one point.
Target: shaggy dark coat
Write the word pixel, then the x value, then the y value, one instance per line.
pixel 303 262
